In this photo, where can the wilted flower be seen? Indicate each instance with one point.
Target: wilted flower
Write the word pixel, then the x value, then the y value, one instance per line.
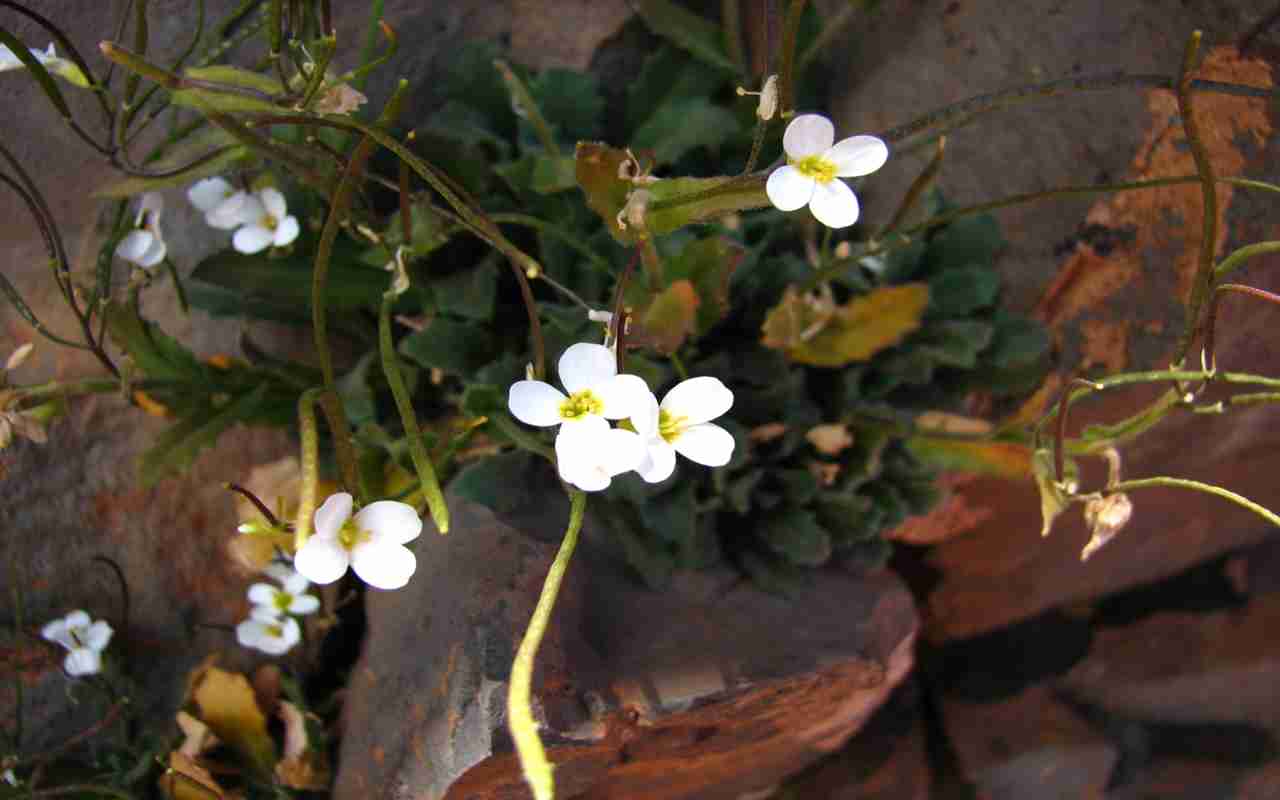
pixel 682 424
pixel 372 543
pixel 84 640
pixel 268 632
pixel 144 245
pixel 813 166
pixel 269 225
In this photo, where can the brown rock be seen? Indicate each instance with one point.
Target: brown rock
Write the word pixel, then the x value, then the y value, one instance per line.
pixel 1028 745
pixel 1221 666
pixel 709 689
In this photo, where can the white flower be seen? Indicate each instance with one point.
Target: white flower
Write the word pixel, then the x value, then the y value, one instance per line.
pixel 269 225
pixel 590 454
pixel 290 598
pixel 269 633
pixel 85 640
pixel 813 166
pixel 7 776
pixel 224 206
pixel 597 392
pixel 144 245
pixel 371 543
pixel 682 424
pixel 9 60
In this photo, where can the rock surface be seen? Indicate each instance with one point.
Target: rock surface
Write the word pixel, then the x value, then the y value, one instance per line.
pixel 709 689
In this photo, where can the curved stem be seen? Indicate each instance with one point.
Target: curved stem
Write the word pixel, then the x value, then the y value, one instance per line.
pixel 524 730
pixel 1208 488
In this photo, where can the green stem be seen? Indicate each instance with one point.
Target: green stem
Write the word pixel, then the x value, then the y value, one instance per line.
pixel 1241 255
pixel 370 39
pixel 524 730
pixel 786 73
pixel 918 186
pixel 832 29
pixel 1208 488
pixel 309 461
pixel 417 451
pixel 1209 194
pixel 527 107
pixel 971 108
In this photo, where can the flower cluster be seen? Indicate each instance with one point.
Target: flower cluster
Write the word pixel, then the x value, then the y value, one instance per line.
pixel 271 626
pixel 260 219
pixel 84 640
pixel 813 165
pixel 372 542
pixel 590 453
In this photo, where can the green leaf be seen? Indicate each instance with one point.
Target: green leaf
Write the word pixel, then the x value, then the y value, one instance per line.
pixel 468 292
pixel 798 485
pixel 458 122
pixel 962 291
pixel 855 331
pixel 178 446
pixel 285 280
pixel 646 555
pixel 771 573
pixel 955 343
pixel 846 517
pixel 966 241
pixel 470 78
pixel 502 482
pixel 687 31
pixel 671 516
pixel 569 100
pixel 1054 497
pixel 796 534
pixel 157 355
pixel 460 348
pixel 669 76
pixel 356 393
pixel 1017 342
pixel 208 100
pixel 669 319
pixel 234 76
pixel 681 126
pixel 740 491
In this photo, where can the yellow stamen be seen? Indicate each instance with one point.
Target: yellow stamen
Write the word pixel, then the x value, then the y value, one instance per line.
pixel 581 404
pixel 352 534
pixel 670 427
pixel 816 167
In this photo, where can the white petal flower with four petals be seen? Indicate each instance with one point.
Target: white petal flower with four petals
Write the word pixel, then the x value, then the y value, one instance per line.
pixel 84 640
pixel 682 424
pixel 590 454
pixel 268 632
pixel 372 543
pixel 224 206
pixel 814 166
pixel 144 245
pixel 289 598
pixel 269 225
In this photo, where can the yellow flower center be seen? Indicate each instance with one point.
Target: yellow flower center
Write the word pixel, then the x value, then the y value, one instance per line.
pixel 275 631
pixel 581 404
pixel 269 222
pixel 283 600
pixel 351 534
pixel 816 167
pixel 670 427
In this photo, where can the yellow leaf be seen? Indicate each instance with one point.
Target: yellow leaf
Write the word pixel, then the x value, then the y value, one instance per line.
pixel 187 780
pixel 227 705
pixel 1003 459
pixel 814 331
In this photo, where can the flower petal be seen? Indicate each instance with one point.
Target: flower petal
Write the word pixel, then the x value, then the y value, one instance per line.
pixel 788 189
pixel 152 206
pixel 535 403
pixel 154 253
pixel 98 635
pixel 390 521
pixel 273 201
pixel 252 239
pixel 330 517
pixel 241 208
pixel 82 661
pixel 263 594
pixel 304 604
pixel 857 155
pixel 619 451
pixel 293 583
pixel 661 462
pixel 706 444
pixel 77 619
pixel 584 365
pixel 808 135
pixel 382 565
pixel 56 632
pixel 834 204
pixel 286 231
pixel 134 245
pixel 698 400
pixel 622 395
pixel 280 573
pixel 290 634
pixel 209 193
pixel 644 418
pixel 251 633
pixel 322 560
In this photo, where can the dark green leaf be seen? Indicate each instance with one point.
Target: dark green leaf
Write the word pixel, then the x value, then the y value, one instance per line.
pixel 968 240
pixel 459 348
pixel 670 516
pixel 687 31
pixel 468 292
pixel 796 534
pixel 502 482
pixel 962 291
pixel 157 355
pixel 740 491
pixel 681 126
pixel 771 573
pixel 669 75
pixel 177 447
pixel 955 343
pixel 570 101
